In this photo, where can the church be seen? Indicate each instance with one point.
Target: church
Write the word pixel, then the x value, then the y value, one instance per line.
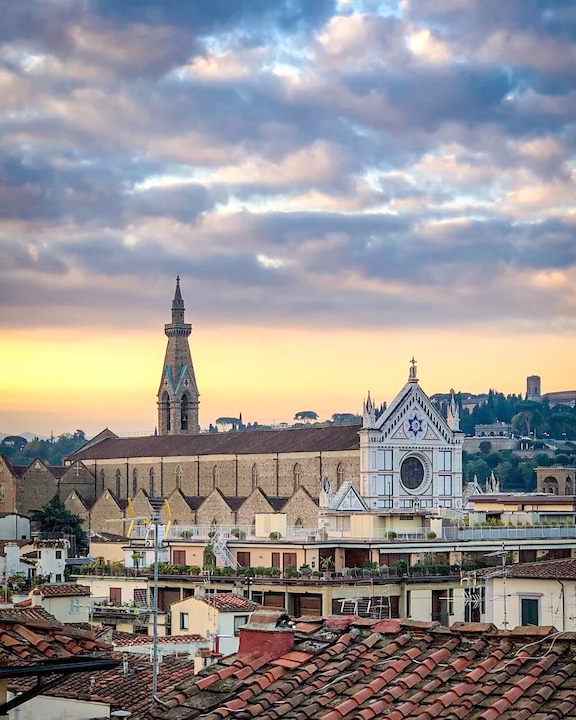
pixel 405 464
pixel 395 470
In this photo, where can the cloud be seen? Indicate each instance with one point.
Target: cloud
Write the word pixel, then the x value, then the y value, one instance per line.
pixel 300 163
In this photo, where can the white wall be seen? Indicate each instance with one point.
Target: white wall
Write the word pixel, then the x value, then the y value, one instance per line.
pixel 14 527
pixel 49 708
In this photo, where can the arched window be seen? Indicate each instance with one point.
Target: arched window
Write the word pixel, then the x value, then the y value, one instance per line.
pixel 118 481
pixel 550 485
pixel 569 487
pixel 214 522
pixel 339 475
pixel 2 492
pixel 296 476
pixel 102 480
pixel 179 477
pixel 152 488
pixel 184 413
pixel 254 476
pixel 215 476
pixel 165 412
pixel 134 482
pixel 298 522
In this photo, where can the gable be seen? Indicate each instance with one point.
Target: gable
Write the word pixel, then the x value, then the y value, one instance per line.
pixel 348 499
pixel 411 416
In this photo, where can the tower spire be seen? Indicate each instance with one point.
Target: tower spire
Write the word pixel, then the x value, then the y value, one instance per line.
pixel 178 396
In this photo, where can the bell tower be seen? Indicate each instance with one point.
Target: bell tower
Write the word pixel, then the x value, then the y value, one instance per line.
pixel 178 396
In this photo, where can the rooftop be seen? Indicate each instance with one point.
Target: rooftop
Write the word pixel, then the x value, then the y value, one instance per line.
pixel 61 590
pixel 557 569
pixel 350 669
pixel 324 439
pixel 230 602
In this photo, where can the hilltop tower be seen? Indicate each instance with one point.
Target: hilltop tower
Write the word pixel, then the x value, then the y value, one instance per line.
pixel 178 396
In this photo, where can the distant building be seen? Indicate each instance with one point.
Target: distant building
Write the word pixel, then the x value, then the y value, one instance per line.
pixel 561 397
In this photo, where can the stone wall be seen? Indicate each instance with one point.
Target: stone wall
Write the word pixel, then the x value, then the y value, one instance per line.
pixel 256 503
pixel 78 477
pixel 7 488
pixel 301 507
pixel 35 487
pixel 215 510
pixel 104 509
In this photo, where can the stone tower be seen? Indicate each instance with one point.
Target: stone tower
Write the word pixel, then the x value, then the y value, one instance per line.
pixel 178 396
pixel 533 388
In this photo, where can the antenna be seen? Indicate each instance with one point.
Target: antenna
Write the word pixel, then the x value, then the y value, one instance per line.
pixel 503 553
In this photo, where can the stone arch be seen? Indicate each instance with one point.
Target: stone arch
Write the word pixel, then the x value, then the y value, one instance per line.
pixel 298 523
pixel 102 480
pixel 184 413
pixel 296 476
pixel 550 485
pixel 151 477
pixel 165 422
pixel 569 486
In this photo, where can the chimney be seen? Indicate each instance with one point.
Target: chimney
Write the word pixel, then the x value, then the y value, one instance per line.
pixel 200 592
pixel 269 633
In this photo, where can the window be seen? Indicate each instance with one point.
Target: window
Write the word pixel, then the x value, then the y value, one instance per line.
pixel 2 492
pixel 239 621
pixel 298 523
pixel 474 604
pixel 258 596
pixel 215 476
pixel 276 560
pixel 184 413
pixel 116 596
pixel 445 460
pixel 58 577
pixel 58 554
pixel 445 485
pixel 296 471
pixel 408 603
pixel 288 559
pixel 184 621
pixel 412 473
pixel 529 611
pixel 118 482
pixel 165 412
pixel 179 557
pixel 74 606
pixel 152 486
pixel 339 475
pixel 387 460
pixel 102 480
pixel 134 482
pixel 179 477
pixel 254 476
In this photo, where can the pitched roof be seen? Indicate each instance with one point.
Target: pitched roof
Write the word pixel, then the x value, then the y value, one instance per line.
pixel 324 439
pixel 29 636
pixel 130 692
pixel 557 569
pixel 341 669
pixel 230 602
pixel 124 639
pixel 61 590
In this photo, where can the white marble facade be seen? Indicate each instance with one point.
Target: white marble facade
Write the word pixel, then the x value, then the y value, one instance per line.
pixel 410 456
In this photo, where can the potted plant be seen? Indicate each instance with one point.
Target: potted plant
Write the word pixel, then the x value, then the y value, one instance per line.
pixel 327 564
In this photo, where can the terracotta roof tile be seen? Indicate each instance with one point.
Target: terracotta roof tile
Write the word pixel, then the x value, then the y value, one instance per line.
pixel 61 590
pixel 230 602
pixel 422 671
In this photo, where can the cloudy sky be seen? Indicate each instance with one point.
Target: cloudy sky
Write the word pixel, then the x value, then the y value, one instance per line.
pixel 340 185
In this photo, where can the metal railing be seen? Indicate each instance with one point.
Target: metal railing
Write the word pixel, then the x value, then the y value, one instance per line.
pixel 229 533
pixel 510 533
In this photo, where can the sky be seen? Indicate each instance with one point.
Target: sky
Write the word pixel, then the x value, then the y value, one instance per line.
pixel 341 186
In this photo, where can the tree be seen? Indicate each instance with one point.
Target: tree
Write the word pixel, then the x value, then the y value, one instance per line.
pixel 54 517
pixel 485 446
pixel 306 415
